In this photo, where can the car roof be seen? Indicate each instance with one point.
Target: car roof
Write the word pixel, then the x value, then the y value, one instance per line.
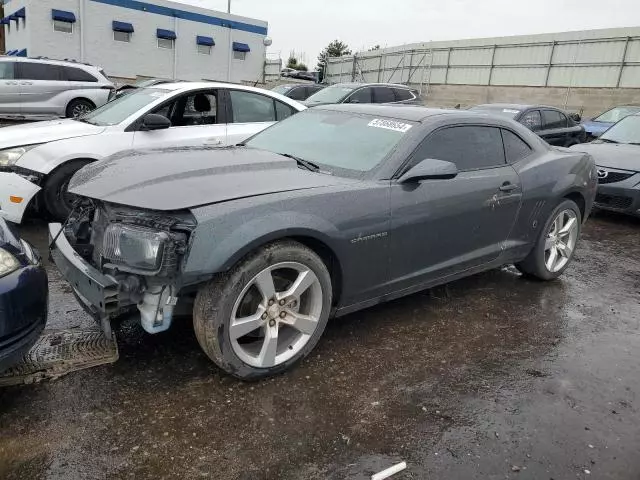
pixel 186 85
pixel 513 106
pixel 412 113
pixel 50 61
pixel 356 85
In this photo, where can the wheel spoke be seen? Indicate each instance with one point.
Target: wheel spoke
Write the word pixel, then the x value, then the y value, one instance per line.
pixel 267 356
pixel 568 227
pixel 242 326
pixel 305 279
pixel 303 323
pixel 548 243
pixel 557 224
pixel 564 250
pixel 551 261
pixel 264 282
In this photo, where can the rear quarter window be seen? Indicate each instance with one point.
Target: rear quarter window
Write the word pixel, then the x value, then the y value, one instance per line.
pixel 78 75
pixel 515 148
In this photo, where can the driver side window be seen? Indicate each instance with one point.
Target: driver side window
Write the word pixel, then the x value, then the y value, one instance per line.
pixel 360 96
pixel 200 108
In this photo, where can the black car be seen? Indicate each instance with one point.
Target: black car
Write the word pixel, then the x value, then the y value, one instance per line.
pixel 23 297
pixel 297 91
pixel 365 93
pixel 334 209
pixel 617 156
pixel 552 124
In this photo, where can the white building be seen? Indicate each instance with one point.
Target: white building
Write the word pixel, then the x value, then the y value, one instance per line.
pixel 131 38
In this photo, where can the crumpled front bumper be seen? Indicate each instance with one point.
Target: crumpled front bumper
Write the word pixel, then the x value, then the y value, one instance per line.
pixel 16 193
pixel 96 292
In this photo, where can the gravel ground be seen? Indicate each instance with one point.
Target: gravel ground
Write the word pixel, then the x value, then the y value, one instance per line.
pixel 492 377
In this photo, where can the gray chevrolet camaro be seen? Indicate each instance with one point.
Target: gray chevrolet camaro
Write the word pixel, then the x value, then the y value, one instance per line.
pixel 333 210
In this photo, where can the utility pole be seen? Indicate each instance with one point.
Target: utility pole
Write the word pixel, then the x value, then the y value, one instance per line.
pixel 228 6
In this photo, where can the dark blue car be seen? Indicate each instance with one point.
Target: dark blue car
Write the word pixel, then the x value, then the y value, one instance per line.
pixel 23 296
pixel 598 125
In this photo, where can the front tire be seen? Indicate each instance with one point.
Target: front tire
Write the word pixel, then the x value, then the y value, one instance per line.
pixel 265 314
pixel 556 243
pixel 58 201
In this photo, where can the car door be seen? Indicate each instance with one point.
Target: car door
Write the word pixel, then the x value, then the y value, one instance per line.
pixel 252 112
pixel 9 89
pixel 442 227
pixel 198 118
pixel 554 127
pixel 40 85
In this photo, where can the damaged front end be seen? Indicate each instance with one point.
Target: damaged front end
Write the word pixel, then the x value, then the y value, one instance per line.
pixel 118 258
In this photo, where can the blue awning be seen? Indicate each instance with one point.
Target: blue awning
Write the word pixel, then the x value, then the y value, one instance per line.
pixel 63 16
pixel 5 21
pixel 22 13
pixel 167 34
pixel 11 52
pixel 21 53
pixel 200 40
pixel 122 27
pixel 240 47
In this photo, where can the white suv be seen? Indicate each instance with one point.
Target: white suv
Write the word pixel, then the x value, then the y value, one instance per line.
pixel 35 87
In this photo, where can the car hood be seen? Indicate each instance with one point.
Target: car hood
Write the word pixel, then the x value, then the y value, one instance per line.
pixel 613 155
pixel 592 126
pixel 179 178
pixel 43 132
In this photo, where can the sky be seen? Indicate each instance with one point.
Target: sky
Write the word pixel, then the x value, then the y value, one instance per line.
pixel 307 26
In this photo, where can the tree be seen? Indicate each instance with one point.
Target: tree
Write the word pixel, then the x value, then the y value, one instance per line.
pixel 292 63
pixel 375 47
pixel 334 49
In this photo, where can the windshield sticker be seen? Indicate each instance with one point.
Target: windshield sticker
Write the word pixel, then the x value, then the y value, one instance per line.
pixel 508 110
pixel 390 125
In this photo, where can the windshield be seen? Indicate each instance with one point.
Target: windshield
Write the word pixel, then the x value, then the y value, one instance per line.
pixel 626 130
pixel 616 114
pixel 343 143
pixel 281 89
pixel 502 111
pixel 121 108
pixel 333 94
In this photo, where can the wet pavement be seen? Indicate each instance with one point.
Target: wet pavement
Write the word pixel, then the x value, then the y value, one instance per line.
pixel 492 377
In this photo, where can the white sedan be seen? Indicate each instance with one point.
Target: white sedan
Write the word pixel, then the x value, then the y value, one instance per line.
pixel 45 155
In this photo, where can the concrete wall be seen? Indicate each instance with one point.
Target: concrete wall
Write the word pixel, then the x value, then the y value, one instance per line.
pixel 141 57
pixel 589 101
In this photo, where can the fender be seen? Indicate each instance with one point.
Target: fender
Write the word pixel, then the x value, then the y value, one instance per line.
pixel 234 241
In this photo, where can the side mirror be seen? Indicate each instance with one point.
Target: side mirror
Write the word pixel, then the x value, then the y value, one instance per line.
pixel 576 117
pixel 430 169
pixel 153 121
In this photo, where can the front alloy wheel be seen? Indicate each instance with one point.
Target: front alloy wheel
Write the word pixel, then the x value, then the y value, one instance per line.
pixel 265 314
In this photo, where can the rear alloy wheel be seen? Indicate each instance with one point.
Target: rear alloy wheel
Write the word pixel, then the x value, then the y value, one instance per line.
pixel 267 313
pixel 556 243
pixel 79 107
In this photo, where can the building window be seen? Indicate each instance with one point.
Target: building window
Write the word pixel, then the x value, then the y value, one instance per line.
pixel 239 55
pixel 64 27
pixel 121 36
pixel 165 43
pixel 204 49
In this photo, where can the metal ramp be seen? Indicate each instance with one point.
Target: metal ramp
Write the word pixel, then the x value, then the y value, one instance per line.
pixel 59 352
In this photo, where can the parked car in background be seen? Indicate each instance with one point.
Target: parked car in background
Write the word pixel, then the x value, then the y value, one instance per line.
pixel 149 82
pixel 287 72
pixel 555 126
pixel 297 91
pixel 617 156
pixel 598 125
pixel 35 88
pixel 364 93
pixel 330 211
pixel 44 156
pixel 23 297
pixel 313 76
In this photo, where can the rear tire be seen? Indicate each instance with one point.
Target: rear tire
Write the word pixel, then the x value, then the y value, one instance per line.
pixel 79 107
pixel 266 313
pixel 58 202
pixel 566 216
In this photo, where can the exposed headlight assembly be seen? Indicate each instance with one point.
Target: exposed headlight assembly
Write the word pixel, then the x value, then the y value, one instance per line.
pixel 10 156
pixel 8 263
pixel 134 248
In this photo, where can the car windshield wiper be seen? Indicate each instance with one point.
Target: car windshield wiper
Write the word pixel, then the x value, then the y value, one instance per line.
pixel 302 162
pixel 608 140
pixel 633 143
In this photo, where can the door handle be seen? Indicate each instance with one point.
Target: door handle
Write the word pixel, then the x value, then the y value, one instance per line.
pixel 12 83
pixel 26 83
pixel 507 187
